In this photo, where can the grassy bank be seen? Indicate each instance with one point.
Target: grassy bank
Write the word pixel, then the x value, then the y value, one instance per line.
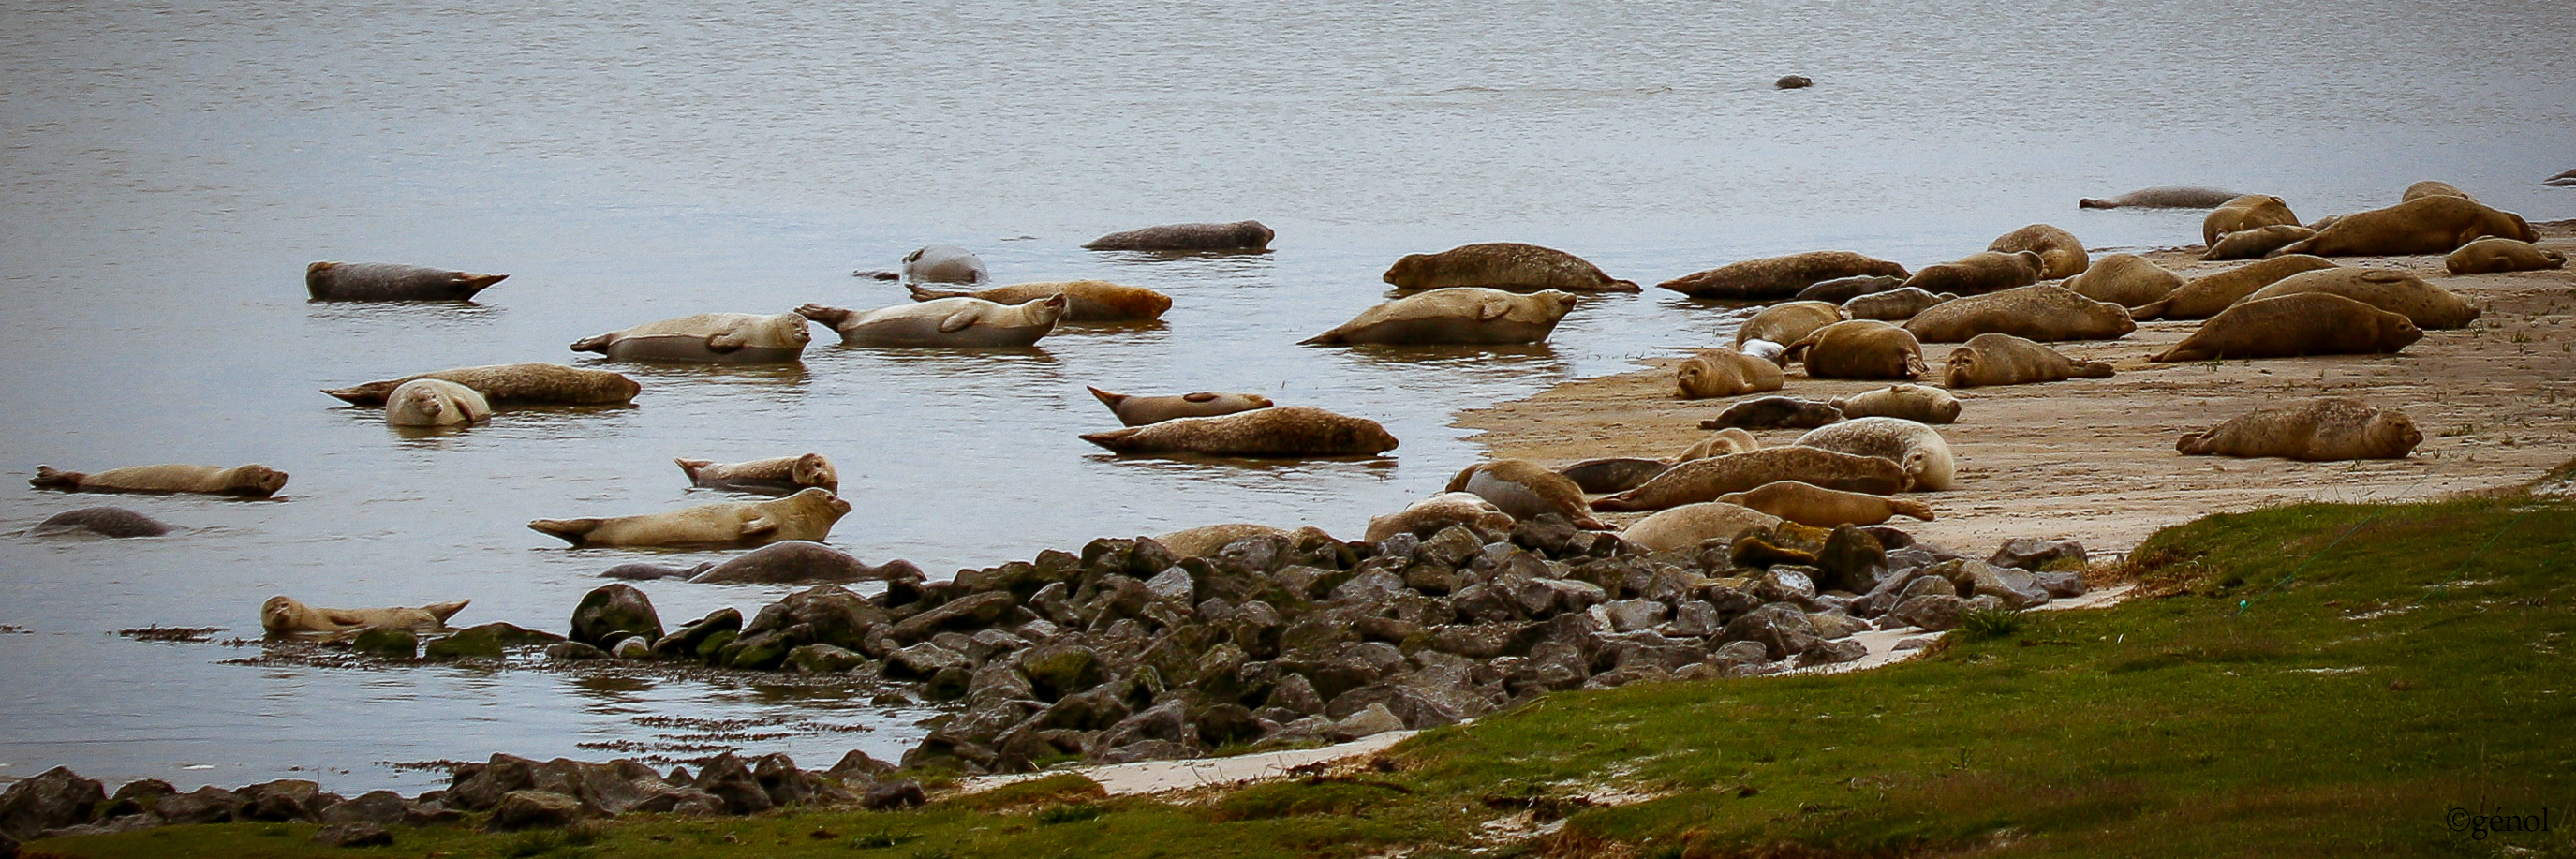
pixel 2329 680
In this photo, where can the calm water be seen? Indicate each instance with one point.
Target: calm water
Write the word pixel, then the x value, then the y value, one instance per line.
pixel 166 173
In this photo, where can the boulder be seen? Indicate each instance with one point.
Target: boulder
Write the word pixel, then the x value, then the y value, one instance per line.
pixel 893 795
pixel 732 783
pixel 1851 562
pixel 823 659
pixel 52 799
pixel 1832 652
pixel 1630 615
pixel 1375 719
pixel 390 642
pixel 832 614
pixel 1781 629
pixel 534 809
pixel 973 611
pixel 2032 553
pixel 356 834
pixel 379 807
pixel 283 800
pixel 207 804
pixel 683 642
pixel 611 612
pixel 1935 612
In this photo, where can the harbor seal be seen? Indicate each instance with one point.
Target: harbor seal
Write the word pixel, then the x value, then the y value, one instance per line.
pixel 435 403
pixel 2060 254
pixel 1773 413
pixel 1206 541
pixel 1789 322
pixel 2003 359
pixel 529 384
pixel 1136 411
pixel 1237 236
pixel 944 264
pixel 806 515
pixel 1895 305
pixel 719 338
pixel 1085 300
pixel 1613 474
pixel 283 616
pixel 1725 373
pixel 2045 312
pixel 1913 446
pixel 1861 349
pixel 1793 82
pixel 2429 307
pixel 1825 508
pixel 1705 479
pixel 2166 197
pixel 2128 280
pixel 1688 525
pixel 2204 297
pixel 103 521
pixel 2307 323
pixel 248 481
pixel 2324 429
pixel 1463 315
pixel 2491 254
pixel 800 562
pixel 777 475
pixel 1911 402
pixel 1428 516
pixel 380 281
pixel 1980 273
pixel 2561 180
pixel 2438 224
pixel 1844 289
pixel 944 323
pixel 2254 243
pixel 1526 490
pixel 2435 188
pixel 2245 213
pixel 1724 441
pixel 1279 431
pixel 1502 265
pixel 1775 278
pixel 1766 350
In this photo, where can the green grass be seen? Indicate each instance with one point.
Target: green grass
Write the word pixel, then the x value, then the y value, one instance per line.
pixel 2325 680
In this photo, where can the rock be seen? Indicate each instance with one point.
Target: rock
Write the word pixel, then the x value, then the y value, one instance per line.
pixel 207 804
pixel 1829 625
pixel 857 766
pixel 390 642
pixel 479 642
pixel 1785 543
pixel 683 642
pixel 611 612
pixel 573 651
pixel 1928 583
pixel 823 659
pixel 924 661
pixel 1935 612
pixel 1374 720
pixel 2061 585
pixel 136 797
pixel 1173 584
pixel 534 809
pixel 378 807
pixel 1851 561
pixel 1740 653
pixel 283 800
pixel 1055 671
pixel 1695 618
pixel 1782 630
pixel 1168 721
pixel 354 835
pixel 832 614
pixel 788 786
pixel 2032 553
pixel 1786 583
pixel 1295 694
pixel 893 795
pixel 1831 652
pixel 1370 586
pixel 52 799
pixel 731 782
pixel 634 647
pixel 1631 615
pixel 2014 587
pixel 800 562
pixel 1450 547
pixel 974 611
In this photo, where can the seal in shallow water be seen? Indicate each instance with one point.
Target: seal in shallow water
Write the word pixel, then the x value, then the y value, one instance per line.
pixel 251 481
pixel 806 515
pixel 1502 265
pixel 103 521
pixel 283 615
pixel 1136 411
pixel 1462 315
pixel 2319 430
pixel 778 474
pixel 435 403
pixel 1085 300
pixel 720 338
pixel 1774 278
pixel 944 323
pixel 528 384
pixel 1237 236
pixel 944 264
pixel 380 281
pixel 2168 197
pixel 1279 431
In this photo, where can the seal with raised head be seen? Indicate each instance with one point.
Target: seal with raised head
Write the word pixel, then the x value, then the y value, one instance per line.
pixel 1279 431
pixel 1085 300
pixel 529 384
pixel 2435 188
pixel 1526 490
pixel 1503 265
pixel 1460 315
pixel 791 562
pixel 1237 236
pixel 944 264
pixel 2003 359
pixel 2254 243
pixel 2438 224
pixel 1789 322
pixel 1775 278
pixel 1911 402
pixel 2492 254
pixel 1206 541
pixel 1819 507
pixel 2245 213
pixel 944 323
pixel 2166 197
pixel 283 616
pixel 1705 479
pixel 2204 297
pixel 1428 516
pixel 1914 446
pixel 383 281
pixel 2045 312
pixel 1861 349
pixel 248 481
pixel 777 474
pixel 2128 280
pixel 1773 413
pixel 2324 429
pixel 2060 254
pixel 1137 411
pixel 1688 525
pixel 1895 305
pixel 1844 289
pixel 435 403
pixel 720 338
pixel 103 521
pixel 1980 273
pixel 2429 307
pixel 1725 373
pixel 806 515
pixel 2308 323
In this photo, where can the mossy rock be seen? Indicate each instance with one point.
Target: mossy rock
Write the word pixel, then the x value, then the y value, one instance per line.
pixel 760 652
pixel 714 644
pixel 1059 671
pixel 482 642
pixel 612 612
pixel 1787 543
pixel 392 642
pixel 823 659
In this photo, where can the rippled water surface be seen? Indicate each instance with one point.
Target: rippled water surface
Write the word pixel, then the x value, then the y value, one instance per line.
pixel 169 171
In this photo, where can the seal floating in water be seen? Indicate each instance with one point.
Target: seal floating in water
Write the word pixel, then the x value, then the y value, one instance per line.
pixel 1279 431
pixel 1136 411
pixel 435 403
pixel 779 474
pixel 283 616
pixel 1503 265
pixel 249 481
pixel 721 338
pixel 1237 236
pixel 1463 315
pixel 806 515
pixel 380 281
pixel 944 323
pixel 103 521
pixel 944 264
pixel 2167 197
pixel 529 384
pixel 1085 300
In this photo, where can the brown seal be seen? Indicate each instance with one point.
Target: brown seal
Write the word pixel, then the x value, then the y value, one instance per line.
pixel 2245 213
pixel 1428 516
pixel 1503 265
pixel 796 562
pixel 1825 508
pixel 435 403
pixel 806 515
pixel 103 521
pixel 2319 430
pixel 777 474
pixel 283 616
pixel 2128 280
pixel 1774 278
pixel 2492 254
pixel 1237 236
pixel 1462 315
pixel 1706 479
pixel 1725 373
pixel 2060 254
pixel 944 323
pixel 2003 359
pixel 1280 431
pixel 378 281
pixel 1789 322
pixel 1861 349
pixel 1911 402
pixel 2438 224
pixel 2308 323
pixel 1526 490
pixel 2167 197
pixel 2429 307
pixel 1687 525
pixel 1614 473
pixel 2435 188
pixel 2044 312
pixel 1895 305
pixel 2254 243
pixel 1980 273
pixel 1914 446
pixel 2204 297
pixel 249 481
pixel 529 384
pixel 1085 300
pixel 1206 540
pixel 1136 411
pixel 721 338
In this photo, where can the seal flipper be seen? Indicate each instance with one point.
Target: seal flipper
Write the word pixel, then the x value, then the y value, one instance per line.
pixel 445 610
pixel 1106 398
pixel 1199 397
pixel 574 531
pixel 690 466
pixel 920 294
pixel 960 320
pixel 49 478
pixel 1492 309
pixel 832 316
pixel 761 524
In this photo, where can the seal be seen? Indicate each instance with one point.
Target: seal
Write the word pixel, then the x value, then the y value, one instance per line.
pixel 2245 213
pixel 1825 508
pixel 1773 413
pixel 382 281
pixel 2308 323
pixel 2166 197
pixel 248 481
pixel 2491 254
pixel 1844 289
pixel 1775 278
pixel 944 323
pixel 944 264
pixel 2429 307
pixel 806 515
pixel 1687 526
pixel 1613 474
pixel 2003 359
pixel 1206 541
pixel 1428 516
pixel 651 572
pixel 1720 443
pixel 2437 224
pixel 530 384
pixel 2060 254
pixel 2561 180
pixel 778 475
pixel 1526 490
pixel 1276 432
pixel 1237 236
pixel 1895 305
pixel 1766 350
pixel 1136 411
pixel 2325 429
pixel 1913 446
pixel 1705 479
pixel 718 338
pixel 1463 315
pixel 2254 243
pixel 2204 297
pixel 2128 280
pixel 435 403
pixel 103 521
pixel 2435 188
pixel 1502 265
pixel 283 616
pixel 1725 373
pixel 794 562
pixel 1911 402
pixel 2045 312
pixel 1980 273
pixel 1085 300
pixel 1793 82
pixel 1788 323
pixel 1861 349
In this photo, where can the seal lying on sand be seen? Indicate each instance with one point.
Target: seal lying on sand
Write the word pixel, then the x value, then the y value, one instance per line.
pixel 1895 305
pixel 806 515
pixel 1429 515
pixel 529 384
pixel 1237 236
pixel 2003 359
pixel 379 281
pixel 1774 278
pixel 1526 490
pixel 2204 297
pixel 1502 265
pixel 1914 447
pixel 2308 323
pixel 435 403
pixel 2245 213
pixel 720 338
pixel 1861 349
pixel 1137 411
pixel 2044 312
pixel 2060 254
pixel 2437 224
pixel 1773 413
pixel 1085 300
pixel 249 481
pixel 2429 307
pixel 1980 273
pixel 1457 315
pixel 1911 402
pixel 2167 197
pixel 1725 373
pixel 779 474
pixel 944 264
pixel 284 616
pixel 2128 280
pixel 2435 188
pixel 103 521
pixel 2254 243
pixel 953 323
pixel 2319 430
pixel 2492 254
pixel 1279 431
pixel 1788 322
pixel 1844 289
pixel 1706 479
pixel 1826 508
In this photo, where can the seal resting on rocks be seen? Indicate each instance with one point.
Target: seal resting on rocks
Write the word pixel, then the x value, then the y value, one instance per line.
pixel 2204 297
pixel 2308 323
pixel 806 515
pixel 1526 490
pixel 1912 445
pixel 1774 278
pixel 1773 413
pixel 777 474
pixel 380 281
pixel 2128 280
pixel 2254 243
pixel 1725 373
pixel 2060 254
pixel 249 481
pixel 528 384
pixel 954 323
pixel 1206 540
pixel 1825 508
pixel 1237 236
pixel 1788 323
pixel 1279 431
pixel 799 562
pixel 2437 224
pixel 944 264
pixel 1502 265
pixel 1688 525
pixel 1861 349
pixel 2319 430
pixel 1457 315
pixel 1706 479
pixel 1136 411
pixel 1430 515
pixel 2003 359
pixel 2166 197
pixel 435 403
pixel 1085 300
pixel 2492 254
pixel 1980 273
pixel 2429 307
pixel 1895 305
pixel 1844 289
pixel 1911 402
pixel 2435 188
pixel 2044 312
pixel 103 521
pixel 283 616
pixel 2245 213
pixel 721 338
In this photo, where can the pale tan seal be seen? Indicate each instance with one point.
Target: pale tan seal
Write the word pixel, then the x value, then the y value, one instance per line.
pixel 722 338
pixel 1895 305
pixel 806 515
pixel 2045 312
pixel 1725 373
pixel 1687 525
pixel 1503 265
pixel 1772 351
pixel 1861 349
pixel 944 264
pixel 780 474
pixel 2435 188
pixel 944 323
pixel 2438 224
pixel 1237 236
pixel 2429 307
pixel 2167 197
pixel 1526 490
pixel 1706 479
pixel 1279 431
pixel 283 616
pixel 2060 254
pixel 2002 359
pixel 1774 278
pixel 1206 540
pixel 2128 280
pixel 528 384
pixel 1980 273
pixel 1914 446
pixel 2254 243
pixel 1788 322
pixel 435 403
pixel 379 281
pixel 2204 297
pixel 1826 508
pixel 1457 315
pixel 2245 213
pixel 1720 443
pixel 2492 254
pixel 1911 402
pixel 1428 516
pixel 1085 300
pixel 250 481
pixel 2308 323
pixel 2319 430
pixel 1136 411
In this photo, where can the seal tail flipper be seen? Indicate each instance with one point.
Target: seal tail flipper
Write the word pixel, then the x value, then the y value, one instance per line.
pixel 922 294
pixel 690 466
pixel 832 316
pixel 1327 338
pixel 1915 509
pixel 2190 445
pixel 2150 311
pixel 1117 440
pixel 2094 370
pixel 574 531
pixel 49 478
pixel 445 610
pixel 369 394
pixel 1106 398
pixel 2298 247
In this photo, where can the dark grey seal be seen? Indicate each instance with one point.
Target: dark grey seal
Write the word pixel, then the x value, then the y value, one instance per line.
pixel 1793 82
pixel 1237 236
pixel 798 561
pixel 944 264
pixel 381 281
pixel 1774 413
pixel 1615 474
pixel 103 521
pixel 2168 197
